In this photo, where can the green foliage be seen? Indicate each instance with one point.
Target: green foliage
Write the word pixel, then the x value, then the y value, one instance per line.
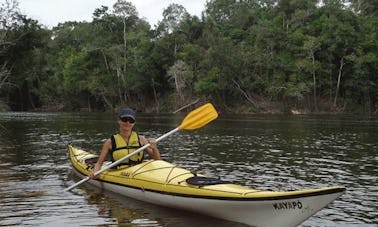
pixel 207 84
pixel 297 52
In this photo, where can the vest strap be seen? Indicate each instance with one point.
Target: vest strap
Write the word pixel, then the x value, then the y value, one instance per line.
pixel 126 147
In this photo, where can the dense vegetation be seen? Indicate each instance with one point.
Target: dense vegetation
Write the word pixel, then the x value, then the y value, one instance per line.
pixel 242 55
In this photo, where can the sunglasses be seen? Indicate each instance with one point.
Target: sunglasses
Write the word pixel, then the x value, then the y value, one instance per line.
pixel 127 119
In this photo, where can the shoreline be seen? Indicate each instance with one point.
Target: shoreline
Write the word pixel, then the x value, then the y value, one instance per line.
pixel 271 109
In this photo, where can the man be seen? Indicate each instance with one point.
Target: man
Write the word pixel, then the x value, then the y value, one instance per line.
pixel 126 142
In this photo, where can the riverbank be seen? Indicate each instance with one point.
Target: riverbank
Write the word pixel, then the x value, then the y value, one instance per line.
pixel 263 108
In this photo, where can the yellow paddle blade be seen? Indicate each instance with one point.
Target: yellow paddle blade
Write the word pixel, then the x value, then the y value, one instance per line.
pixel 199 117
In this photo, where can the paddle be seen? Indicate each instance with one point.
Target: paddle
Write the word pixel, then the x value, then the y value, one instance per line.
pixel 195 119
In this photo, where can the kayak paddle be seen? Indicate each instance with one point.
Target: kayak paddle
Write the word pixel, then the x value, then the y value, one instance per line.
pixel 195 119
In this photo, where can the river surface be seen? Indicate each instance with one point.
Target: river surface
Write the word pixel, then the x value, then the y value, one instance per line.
pixel 264 152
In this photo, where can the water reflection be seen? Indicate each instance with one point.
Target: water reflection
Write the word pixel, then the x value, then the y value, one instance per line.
pixel 265 152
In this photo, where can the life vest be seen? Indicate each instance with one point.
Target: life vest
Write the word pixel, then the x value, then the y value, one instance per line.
pixel 120 149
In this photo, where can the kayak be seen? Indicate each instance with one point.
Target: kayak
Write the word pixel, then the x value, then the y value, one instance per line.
pixel 166 184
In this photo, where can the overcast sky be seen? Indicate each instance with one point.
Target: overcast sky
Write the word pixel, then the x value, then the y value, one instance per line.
pixel 52 12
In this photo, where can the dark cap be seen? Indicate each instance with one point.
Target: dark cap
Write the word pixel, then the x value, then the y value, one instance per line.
pixel 127 112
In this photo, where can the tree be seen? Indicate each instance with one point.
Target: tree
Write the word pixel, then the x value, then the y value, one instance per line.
pixel 309 64
pixel 338 36
pixel 173 15
pixel 26 41
pixel 9 18
pixel 126 11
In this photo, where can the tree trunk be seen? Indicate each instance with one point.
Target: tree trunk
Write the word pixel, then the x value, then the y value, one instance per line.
pixel 338 82
pixel 245 94
pixel 106 62
pixel 124 46
pixel 186 106
pixel 314 82
pixel 107 102
pixel 155 96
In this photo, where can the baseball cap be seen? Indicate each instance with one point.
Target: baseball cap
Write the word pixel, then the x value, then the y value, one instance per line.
pixel 127 112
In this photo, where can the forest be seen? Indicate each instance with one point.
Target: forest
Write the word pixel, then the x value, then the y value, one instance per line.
pixel 244 56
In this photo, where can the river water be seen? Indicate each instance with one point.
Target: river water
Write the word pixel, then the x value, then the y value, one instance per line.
pixel 271 152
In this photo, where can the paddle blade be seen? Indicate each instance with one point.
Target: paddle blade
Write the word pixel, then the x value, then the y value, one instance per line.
pixel 199 117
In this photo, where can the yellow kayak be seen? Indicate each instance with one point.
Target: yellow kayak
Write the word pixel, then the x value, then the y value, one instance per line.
pixel 166 184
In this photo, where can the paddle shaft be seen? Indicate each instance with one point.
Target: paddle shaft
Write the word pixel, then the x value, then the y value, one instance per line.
pixel 121 160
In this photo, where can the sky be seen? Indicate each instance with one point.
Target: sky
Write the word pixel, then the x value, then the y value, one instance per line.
pixel 52 12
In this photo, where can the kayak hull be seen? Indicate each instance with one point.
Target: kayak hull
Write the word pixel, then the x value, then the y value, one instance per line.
pixel 164 184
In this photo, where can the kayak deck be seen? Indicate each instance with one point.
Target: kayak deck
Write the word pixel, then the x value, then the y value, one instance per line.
pixel 159 175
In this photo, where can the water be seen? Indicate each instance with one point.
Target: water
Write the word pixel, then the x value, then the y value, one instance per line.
pixel 264 152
